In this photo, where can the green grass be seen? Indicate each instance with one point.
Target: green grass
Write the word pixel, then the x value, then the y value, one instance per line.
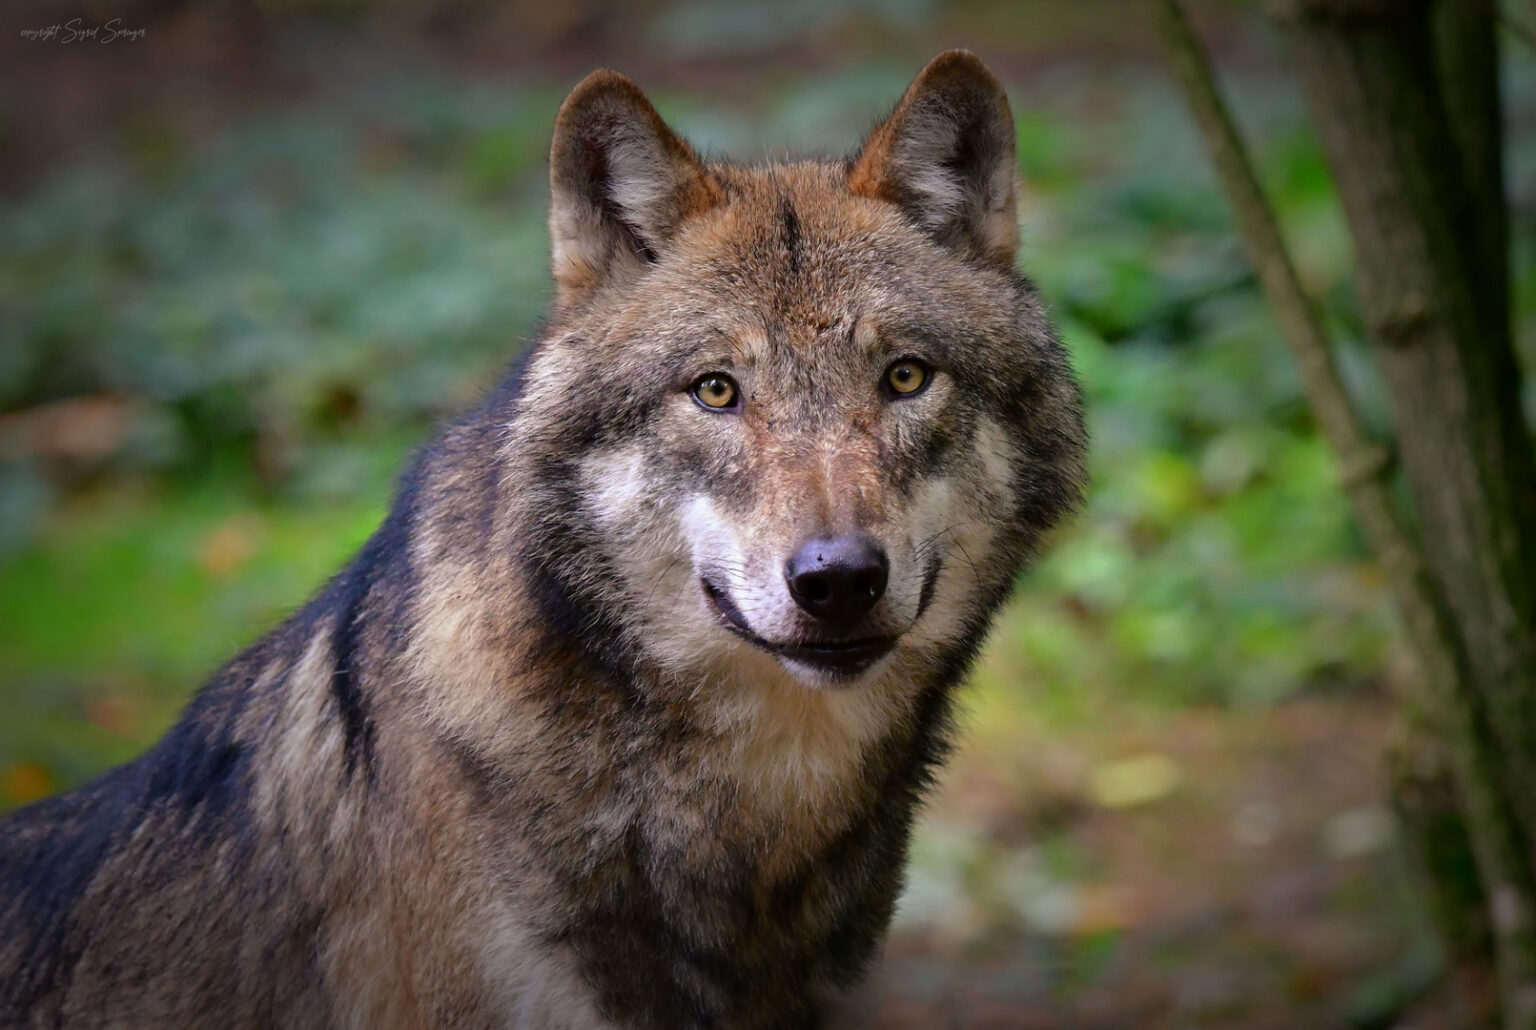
pixel 128 600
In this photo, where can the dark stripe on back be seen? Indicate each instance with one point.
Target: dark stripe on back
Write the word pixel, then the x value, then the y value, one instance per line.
pixel 790 233
pixel 351 614
pixel 351 706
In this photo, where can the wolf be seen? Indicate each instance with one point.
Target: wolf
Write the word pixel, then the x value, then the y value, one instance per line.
pixel 622 716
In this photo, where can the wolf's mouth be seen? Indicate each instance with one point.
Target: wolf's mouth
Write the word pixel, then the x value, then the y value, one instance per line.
pixel 844 659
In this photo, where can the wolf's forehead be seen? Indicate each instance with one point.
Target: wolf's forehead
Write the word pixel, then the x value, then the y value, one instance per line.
pixel 798 225
pixel 793 249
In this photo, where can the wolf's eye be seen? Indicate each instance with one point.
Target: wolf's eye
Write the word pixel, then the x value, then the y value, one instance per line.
pixel 716 391
pixel 906 377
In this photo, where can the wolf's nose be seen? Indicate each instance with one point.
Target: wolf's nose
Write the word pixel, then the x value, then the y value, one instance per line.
pixel 837 580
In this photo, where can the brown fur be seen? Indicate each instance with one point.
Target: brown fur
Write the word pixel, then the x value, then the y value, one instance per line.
pixel 515 766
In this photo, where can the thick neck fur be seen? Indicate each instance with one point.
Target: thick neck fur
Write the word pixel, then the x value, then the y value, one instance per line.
pixel 723 849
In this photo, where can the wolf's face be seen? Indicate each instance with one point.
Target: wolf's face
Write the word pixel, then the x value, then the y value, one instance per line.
pixel 807 417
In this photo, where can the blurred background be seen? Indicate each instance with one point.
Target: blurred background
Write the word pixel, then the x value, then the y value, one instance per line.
pixel 251 252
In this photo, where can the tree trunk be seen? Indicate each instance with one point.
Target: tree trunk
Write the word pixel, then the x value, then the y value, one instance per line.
pixel 1427 801
pixel 1416 157
pixel 1405 95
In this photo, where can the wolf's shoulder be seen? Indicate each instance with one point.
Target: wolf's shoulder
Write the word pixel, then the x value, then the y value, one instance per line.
pixel 198 772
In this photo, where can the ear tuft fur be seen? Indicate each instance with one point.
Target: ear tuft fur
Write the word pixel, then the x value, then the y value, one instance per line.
pixel 621 182
pixel 946 156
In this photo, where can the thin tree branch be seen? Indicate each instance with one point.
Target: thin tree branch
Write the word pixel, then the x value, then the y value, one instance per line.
pixel 1365 468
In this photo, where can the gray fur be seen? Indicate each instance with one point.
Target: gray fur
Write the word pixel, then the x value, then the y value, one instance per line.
pixel 514 766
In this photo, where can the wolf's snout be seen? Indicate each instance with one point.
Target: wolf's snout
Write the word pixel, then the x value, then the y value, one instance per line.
pixel 837 580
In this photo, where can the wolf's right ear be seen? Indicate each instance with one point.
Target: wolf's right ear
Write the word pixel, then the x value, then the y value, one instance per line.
pixel 620 183
pixel 946 157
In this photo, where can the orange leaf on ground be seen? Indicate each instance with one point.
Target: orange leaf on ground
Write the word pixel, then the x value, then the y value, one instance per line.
pixel 229 546
pixel 25 781
pixel 114 713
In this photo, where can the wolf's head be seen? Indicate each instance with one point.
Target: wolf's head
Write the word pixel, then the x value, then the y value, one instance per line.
pixel 800 418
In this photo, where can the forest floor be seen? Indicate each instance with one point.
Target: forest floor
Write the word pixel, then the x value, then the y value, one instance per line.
pixel 1193 868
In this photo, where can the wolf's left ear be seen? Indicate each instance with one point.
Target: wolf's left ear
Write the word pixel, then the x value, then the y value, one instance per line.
pixel 946 156
pixel 621 182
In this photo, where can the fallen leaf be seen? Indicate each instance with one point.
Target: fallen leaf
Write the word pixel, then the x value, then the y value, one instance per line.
pixel 1133 781
pixel 26 781
pixel 223 551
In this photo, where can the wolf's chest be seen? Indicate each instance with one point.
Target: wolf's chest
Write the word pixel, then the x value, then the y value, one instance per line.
pixel 759 910
pixel 675 925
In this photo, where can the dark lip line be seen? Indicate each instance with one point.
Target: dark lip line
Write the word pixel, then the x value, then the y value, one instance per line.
pixel 731 618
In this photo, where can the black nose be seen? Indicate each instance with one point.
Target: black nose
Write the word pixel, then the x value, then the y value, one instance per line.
pixel 837 580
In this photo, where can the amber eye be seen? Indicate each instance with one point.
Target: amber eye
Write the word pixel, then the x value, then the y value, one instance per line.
pixel 906 377
pixel 716 391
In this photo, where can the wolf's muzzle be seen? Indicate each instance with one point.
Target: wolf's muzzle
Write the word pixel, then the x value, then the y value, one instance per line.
pixel 840 659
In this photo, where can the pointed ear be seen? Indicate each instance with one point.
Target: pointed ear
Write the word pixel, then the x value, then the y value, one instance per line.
pixel 946 156
pixel 620 183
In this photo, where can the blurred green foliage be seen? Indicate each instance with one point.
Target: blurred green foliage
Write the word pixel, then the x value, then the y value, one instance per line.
pixel 279 310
